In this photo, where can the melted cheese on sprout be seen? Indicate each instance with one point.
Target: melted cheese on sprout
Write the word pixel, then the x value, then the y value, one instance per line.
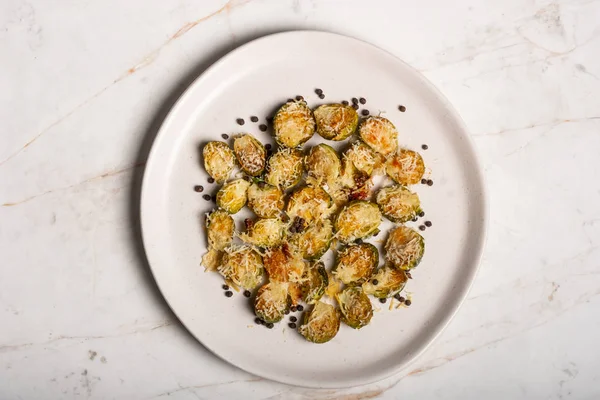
pixel 233 195
pixel 335 121
pixel 251 154
pixel 266 202
pixel 406 167
pixel 294 124
pixel 398 203
pixel 285 168
pixel 220 227
pixel 219 160
pixel 321 324
pixel 356 263
pixel 404 247
pixel 314 240
pixel 272 301
pixel 243 266
pixel 357 220
pixel 323 164
pixel 379 134
pixel 310 203
pixel 265 233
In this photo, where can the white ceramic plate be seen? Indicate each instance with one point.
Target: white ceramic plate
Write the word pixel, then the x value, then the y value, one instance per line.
pixel 254 80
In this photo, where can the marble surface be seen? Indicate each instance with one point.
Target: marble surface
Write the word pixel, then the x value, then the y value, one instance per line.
pixel 85 85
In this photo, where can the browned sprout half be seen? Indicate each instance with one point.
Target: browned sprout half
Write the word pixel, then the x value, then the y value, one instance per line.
pixel 386 282
pixel 380 134
pixel 335 121
pixel 310 203
pixel 357 220
pixel 294 124
pixel 406 167
pixel 355 263
pixel 265 200
pixel 323 164
pixel 219 160
pixel 404 248
pixel 321 323
pixel 233 195
pixel 363 157
pixel 283 265
pixel 355 307
pixel 398 204
pixel 314 240
pixel 285 168
pixel 251 154
pixel 315 283
pixel 220 227
pixel 266 232
pixel 211 259
pixel 272 301
pixel 243 266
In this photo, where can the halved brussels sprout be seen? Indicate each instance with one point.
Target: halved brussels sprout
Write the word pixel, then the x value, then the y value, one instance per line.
pixel 283 265
pixel 320 324
pixel 211 259
pixel 285 167
pixel 265 200
pixel 323 164
pixel 357 220
pixel 406 167
pixel 336 121
pixel 398 204
pixel 271 302
pixel 386 282
pixel 233 195
pixel 219 160
pixel 294 124
pixel 363 157
pixel 355 307
pixel 219 227
pixel 265 232
pixel 310 203
pixel 380 134
pixel 251 154
pixel 313 241
pixel 313 288
pixel 355 263
pixel 243 266
pixel 404 247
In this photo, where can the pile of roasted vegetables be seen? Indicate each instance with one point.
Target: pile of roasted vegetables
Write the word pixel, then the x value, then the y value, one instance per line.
pixel 308 201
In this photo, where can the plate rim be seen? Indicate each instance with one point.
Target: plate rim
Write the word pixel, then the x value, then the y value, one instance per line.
pixel 478 177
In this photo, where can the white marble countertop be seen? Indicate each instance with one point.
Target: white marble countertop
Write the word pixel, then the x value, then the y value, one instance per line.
pixel 85 86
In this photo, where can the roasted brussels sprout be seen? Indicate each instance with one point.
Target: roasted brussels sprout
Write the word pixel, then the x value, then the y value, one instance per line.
pixel 219 227
pixel 294 124
pixel 243 266
pixel 355 263
pixel 211 259
pixel 233 195
pixel 404 247
pixel 336 121
pixel 313 241
pixel 310 203
pixel 284 168
pixel 379 134
pixel 272 301
pixel 283 265
pixel 357 220
pixel 320 324
pixel 406 167
pixel 323 164
pixel 219 160
pixel 355 307
pixel 398 204
pixel 363 157
pixel 251 154
pixel 265 200
pixel 386 282
pixel 265 232
pixel 315 283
